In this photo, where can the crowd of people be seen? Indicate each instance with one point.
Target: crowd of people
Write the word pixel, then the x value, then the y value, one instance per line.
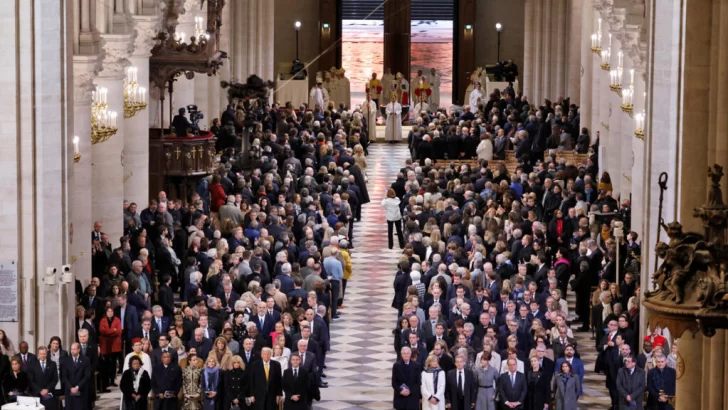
pixel 223 300
pixel 488 257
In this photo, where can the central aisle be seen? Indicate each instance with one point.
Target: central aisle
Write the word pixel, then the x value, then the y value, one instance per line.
pixel 362 346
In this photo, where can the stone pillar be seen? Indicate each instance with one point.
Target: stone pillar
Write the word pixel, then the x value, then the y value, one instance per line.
pixel 586 66
pixel 558 35
pixel 575 49
pixel 184 89
pixel 538 52
pixel 528 50
pixel 226 44
pixel 84 71
pixel 37 162
pixel 689 387
pixel 546 35
pixel 136 136
pixel 614 143
pixel 108 156
pixel 601 83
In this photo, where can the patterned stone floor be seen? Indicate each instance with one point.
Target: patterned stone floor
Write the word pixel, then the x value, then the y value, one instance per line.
pixel 361 357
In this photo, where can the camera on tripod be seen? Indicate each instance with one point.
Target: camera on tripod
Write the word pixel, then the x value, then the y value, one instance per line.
pixel 195 116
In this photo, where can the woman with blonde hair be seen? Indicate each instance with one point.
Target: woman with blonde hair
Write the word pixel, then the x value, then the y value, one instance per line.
pixel 179 347
pixel 433 385
pixel 236 383
pixel 279 357
pixel 212 383
pixel 222 353
pixel 394 217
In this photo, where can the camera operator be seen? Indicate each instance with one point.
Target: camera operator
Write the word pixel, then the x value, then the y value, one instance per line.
pixel 180 123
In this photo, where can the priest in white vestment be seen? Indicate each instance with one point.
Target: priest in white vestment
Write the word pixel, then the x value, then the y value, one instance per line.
pixel 476 97
pixel 344 88
pixel 317 96
pixel 370 111
pixel 387 83
pixel 393 131
pixel 434 80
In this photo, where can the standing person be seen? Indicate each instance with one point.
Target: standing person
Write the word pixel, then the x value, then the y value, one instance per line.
pixel 236 384
pixel 406 382
pixel 434 80
pixel 393 130
pixel 486 377
pixel 461 391
pixel 660 384
pixel 369 109
pixel 43 376
pixel 56 354
pixel 512 386
pixel 135 385
pixel 566 387
pixel 394 217
pixel 110 345
pixel 296 385
pixel 475 97
pixel 76 376
pixel 211 384
pixel 15 382
pixel 433 385
pixel 166 384
pixel 266 387
pixel 191 384
pixel 387 83
pixel 374 89
pixel 539 385
pixel 630 384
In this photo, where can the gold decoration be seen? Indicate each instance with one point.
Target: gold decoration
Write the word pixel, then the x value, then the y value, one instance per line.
pixel 597 51
pixel 134 96
pixel 617 88
pixel 103 122
pixel 639 133
pixel 629 109
pixel 605 66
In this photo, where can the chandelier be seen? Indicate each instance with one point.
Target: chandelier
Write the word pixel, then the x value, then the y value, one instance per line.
pixel 200 32
pixel 135 97
pixel 103 121
pixel 639 120
pixel 627 95
pixel 596 39
pixel 607 54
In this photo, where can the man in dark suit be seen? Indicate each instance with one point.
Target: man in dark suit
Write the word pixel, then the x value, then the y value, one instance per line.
pixel 630 384
pixel 267 382
pixel 406 381
pixel 228 297
pixel 166 384
pixel 43 377
pixel 461 390
pixel 660 384
pixel 606 346
pixel 90 350
pixel 160 323
pixel 577 365
pixel 512 387
pixel 201 344
pixel 76 379
pixel 163 348
pixel 559 345
pixel 90 325
pixel 207 329
pixel 263 321
pixel 166 297
pixel 296 385
pixel 129 322
pixel 146 332
pixel 96 233
pixel 248 354
pixel 25 357
pixel 91 301
pixel 546 364
pixel 595 262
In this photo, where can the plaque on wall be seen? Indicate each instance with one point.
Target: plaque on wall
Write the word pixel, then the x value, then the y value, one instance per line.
pixel 8 291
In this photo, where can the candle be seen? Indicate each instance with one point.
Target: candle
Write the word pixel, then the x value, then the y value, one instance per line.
pixel 599 25
pixel 610 40
pixel 631 76
pixel 594 40
pixel 143 92
pixel 619 59
pixel 75 144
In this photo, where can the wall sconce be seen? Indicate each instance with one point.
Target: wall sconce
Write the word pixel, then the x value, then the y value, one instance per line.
pixel 135 97
pixel 468 27
pixel 639 120
pixel 76 151
pixel 627 95
pixel 325 26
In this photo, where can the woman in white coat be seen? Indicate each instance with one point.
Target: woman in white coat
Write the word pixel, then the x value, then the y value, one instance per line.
pixel 394 217
pixel 485 148
pixel 433 385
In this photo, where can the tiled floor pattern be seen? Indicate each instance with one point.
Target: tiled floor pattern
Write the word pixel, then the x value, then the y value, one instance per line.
pixel 361 356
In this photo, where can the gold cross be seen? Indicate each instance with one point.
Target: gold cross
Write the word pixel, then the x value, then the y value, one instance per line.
pixel 194 151
pixel 177 151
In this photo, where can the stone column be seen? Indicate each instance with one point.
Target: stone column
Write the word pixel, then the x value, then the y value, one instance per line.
pixel 558 35
pixel 689 387
pixel 37 161
pixel 614 144
pixel 528 50
pixel 226 44
pixel 184 89
pixel 538 50
pixel 108 156
pixel 586 66
pixel 601 83
pixel 85 69
pixel 546 34
pixel 136 136
pixel 575 49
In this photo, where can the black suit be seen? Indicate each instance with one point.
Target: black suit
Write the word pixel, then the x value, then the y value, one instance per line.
pixel 77 373
pixel 30 357
pixel 657 381
pixel 41 379
pixel 296 385
pixel 166 379
pixel 157 356
pixel 266 392
pixel 153 336
pixel 460 397
pixel 512 393
pixel 92 354
pixel 166 300
pixel 409 375
pixel 254 357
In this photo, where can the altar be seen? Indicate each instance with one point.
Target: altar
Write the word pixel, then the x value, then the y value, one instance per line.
pixel 295 91
pixel 176 164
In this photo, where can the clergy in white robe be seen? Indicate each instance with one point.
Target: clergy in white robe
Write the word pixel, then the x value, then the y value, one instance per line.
pixel 475 97
pixel 344 88
pixel 317 96
pixel 474 78
pixel 370 111
pixel 421 107
pixel 393 131
pixel 434 80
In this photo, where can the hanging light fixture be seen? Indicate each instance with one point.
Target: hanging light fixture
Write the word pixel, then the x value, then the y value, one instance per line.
pixel 103 121
pixel 135 97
